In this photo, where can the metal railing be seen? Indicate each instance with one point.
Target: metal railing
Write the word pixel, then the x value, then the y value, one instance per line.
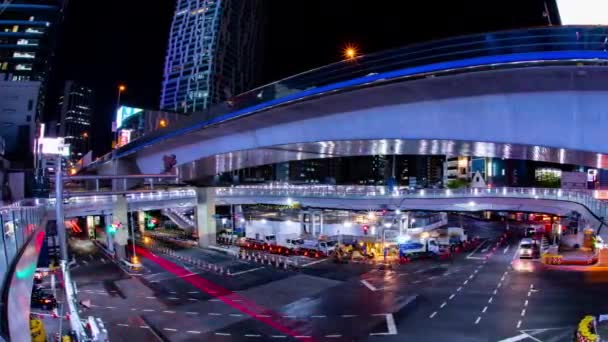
pixel 554 45
pixel 101 183
pixel 587 198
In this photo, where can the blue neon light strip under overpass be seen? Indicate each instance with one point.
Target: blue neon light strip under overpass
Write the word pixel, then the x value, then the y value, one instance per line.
pixel 458 64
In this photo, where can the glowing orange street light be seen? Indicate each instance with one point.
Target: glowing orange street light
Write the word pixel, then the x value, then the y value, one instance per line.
pixel 122 88
pixel 350 52
pixel 85 135
pixel 73 171
pixel 162 123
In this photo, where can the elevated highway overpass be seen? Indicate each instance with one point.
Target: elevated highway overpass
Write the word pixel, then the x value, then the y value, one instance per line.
pixel 535 94
pixel 553 201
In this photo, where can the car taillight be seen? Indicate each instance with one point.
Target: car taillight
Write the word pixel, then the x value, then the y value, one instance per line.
pixel 47 301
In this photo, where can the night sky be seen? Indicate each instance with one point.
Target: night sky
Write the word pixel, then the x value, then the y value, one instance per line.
pixel 107 42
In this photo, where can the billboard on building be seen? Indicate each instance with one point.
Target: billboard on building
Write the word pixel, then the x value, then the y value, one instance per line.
pixel 124 113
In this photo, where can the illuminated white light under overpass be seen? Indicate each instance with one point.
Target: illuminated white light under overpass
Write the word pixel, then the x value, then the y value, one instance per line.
pixel 348 224
pixel 472 204
pixel 583 12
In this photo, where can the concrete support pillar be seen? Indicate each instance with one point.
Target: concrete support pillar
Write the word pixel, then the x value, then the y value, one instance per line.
pixel 141 221
pixel 120 217
pixel 109 238
pixel 205 216
pixel 321 232
pixel 301 217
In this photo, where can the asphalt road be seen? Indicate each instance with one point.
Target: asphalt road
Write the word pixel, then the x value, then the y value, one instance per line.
pixel 483 295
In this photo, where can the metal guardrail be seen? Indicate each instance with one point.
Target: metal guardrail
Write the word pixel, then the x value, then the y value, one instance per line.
pixel 586 198
pixel 506 49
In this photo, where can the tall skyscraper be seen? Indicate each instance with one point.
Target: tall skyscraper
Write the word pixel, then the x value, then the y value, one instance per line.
pixel 76 112
pixel 28 34
pixel 213 52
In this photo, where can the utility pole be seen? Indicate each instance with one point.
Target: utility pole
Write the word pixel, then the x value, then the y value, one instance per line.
pixel 59 209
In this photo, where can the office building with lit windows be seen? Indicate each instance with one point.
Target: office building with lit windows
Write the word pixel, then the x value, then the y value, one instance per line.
pixel 213 53
pixel 28 35
pixel 76 112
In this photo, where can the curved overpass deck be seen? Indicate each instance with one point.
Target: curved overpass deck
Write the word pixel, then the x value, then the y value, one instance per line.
pixel 203 146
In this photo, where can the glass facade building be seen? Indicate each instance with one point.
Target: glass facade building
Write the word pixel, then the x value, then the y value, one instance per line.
pixel 76 112
pixel 27 40
pixel 213 52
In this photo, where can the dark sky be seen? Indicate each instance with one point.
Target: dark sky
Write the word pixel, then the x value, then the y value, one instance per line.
pixel 106 42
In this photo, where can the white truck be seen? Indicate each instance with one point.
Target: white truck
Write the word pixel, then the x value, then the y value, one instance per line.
pixel 325 246
pixel 449 236
pixel 424 247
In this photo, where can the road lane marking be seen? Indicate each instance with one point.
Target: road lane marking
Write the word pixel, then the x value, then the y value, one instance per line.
pixel 471 276
pixel 252 335
pixel 172 292
pixel 193 292
pixel 222 334
pixel 169 329
pixel 144 327
pixel 529 293
pixel 246 271
pixel 193 299
pixel 490 300
pixel 236 315
pixel 478 319
pixel 193 332
pixel 148 310
pixel 169 311
pixel 289 316
pixel 122 324
pixel 518 324
pixel 318 316
pixel 452 296
pixel 278 336
pixel 368 285
pixel 417 282
pixel 523 312
pixel 516 338
pixel 150 297
pixel 266 316
pixel 349 316
pixel 214 314
pixel 214 300
pixel 313 263
pixel 526 303
pixel 110 307
pixel 531 286
pixel 465 282
pixel 495 291
pixel 459 288
pixel 333 336
pixel 499 285
pixel 506 249
pixel 191 313
pixel 443 305
pixel 390 324
pixel 485 308
pixel 470 256
pixel 433 314
pixel 173 298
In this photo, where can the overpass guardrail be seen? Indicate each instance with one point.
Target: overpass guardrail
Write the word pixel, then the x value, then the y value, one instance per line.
pixel 556 45
pixel 586 198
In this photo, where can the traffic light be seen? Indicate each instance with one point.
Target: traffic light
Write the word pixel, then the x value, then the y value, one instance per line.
pixel 112 228
pixel 152 222
pixel 365 229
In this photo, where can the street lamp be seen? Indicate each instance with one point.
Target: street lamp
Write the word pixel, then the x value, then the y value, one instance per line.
pixel 350 52
pixel 121 88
